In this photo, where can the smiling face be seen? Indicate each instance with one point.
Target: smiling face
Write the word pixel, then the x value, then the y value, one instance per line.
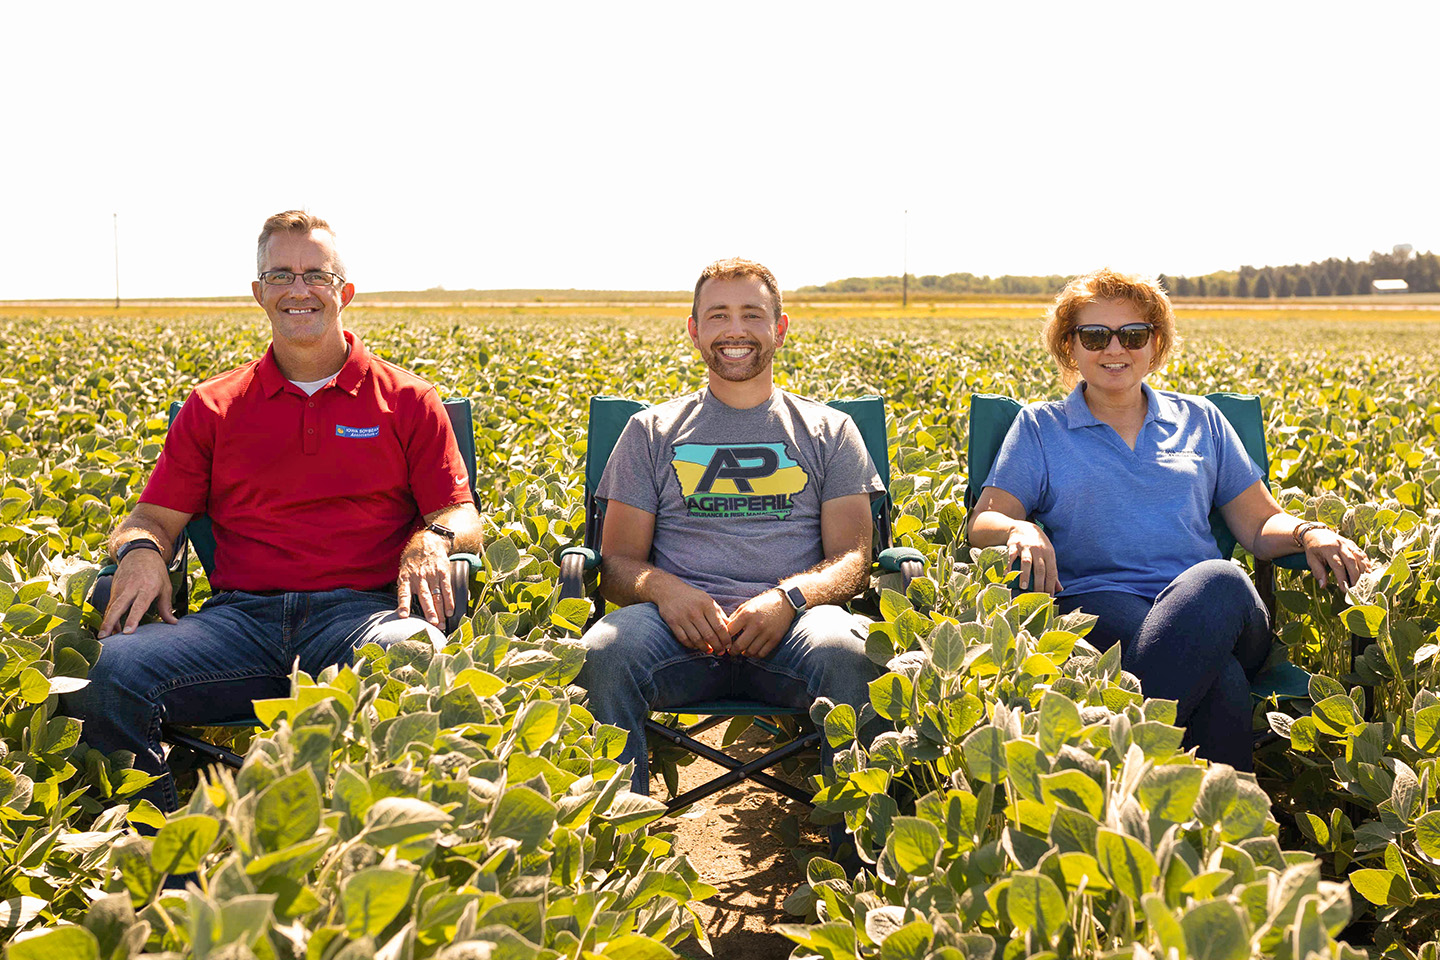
pixel 1114 370
pixel 302 315
pixel 736 328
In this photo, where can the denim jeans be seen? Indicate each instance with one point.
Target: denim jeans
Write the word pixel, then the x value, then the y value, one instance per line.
pixel 208 668
pixel 634 665
pixel 1198 643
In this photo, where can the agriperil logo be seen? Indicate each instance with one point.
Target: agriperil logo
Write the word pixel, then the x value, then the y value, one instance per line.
pixel 738 480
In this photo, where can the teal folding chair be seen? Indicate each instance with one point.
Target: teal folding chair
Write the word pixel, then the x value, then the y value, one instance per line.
pixel 199 536
pixel 990 419
pixel 608 416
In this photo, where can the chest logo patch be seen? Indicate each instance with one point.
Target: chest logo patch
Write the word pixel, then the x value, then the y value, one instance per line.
pixel 738 480
pixel 357 433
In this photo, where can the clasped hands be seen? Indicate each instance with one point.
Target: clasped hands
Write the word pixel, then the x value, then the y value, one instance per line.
pixel 755 629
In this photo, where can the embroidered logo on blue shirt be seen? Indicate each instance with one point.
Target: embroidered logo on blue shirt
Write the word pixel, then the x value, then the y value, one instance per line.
pixel 357 433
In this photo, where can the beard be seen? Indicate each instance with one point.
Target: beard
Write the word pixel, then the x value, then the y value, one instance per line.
pixel 737 371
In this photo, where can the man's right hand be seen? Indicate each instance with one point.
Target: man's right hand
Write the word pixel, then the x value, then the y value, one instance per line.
pixel 141 579
pixel 697 621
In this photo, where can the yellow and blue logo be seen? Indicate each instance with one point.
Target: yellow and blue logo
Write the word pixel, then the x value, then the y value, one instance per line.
pixel 738 480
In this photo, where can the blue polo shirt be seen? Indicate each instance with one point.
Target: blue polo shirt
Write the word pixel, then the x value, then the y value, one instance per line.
pixel 1124 520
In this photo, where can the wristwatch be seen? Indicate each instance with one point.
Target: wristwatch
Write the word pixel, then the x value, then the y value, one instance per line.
pixel 796 598
pixel 441 530
pixel 139 543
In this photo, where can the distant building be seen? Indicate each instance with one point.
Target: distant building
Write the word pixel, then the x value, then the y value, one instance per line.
pixel 1390 286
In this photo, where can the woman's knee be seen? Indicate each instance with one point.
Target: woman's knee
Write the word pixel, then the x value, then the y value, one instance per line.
pixel 1218 583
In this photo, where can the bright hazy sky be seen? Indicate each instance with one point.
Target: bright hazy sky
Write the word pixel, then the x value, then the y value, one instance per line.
pixel 625 145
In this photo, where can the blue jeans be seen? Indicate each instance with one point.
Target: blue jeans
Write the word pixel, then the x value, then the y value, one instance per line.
pixel 1198 643
pixel 634 665
pixel 208 668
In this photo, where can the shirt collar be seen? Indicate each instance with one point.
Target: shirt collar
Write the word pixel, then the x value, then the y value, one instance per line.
pixel 1157 407
pixel 348 379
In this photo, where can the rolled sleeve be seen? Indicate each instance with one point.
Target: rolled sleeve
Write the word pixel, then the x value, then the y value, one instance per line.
pixel 1235 472
pixel 1019 468
pixel 181 479
pixel 630 472
pixel 848 467
pixel 437 472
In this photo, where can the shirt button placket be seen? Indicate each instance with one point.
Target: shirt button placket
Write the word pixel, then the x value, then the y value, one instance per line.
pixel 312 424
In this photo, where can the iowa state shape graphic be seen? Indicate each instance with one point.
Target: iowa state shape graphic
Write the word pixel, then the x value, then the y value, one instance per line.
pixel 738 479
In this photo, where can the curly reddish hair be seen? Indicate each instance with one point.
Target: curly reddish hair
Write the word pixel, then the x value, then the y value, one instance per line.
pixel 1143 293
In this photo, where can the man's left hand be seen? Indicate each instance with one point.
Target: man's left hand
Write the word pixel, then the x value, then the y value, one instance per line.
pixel 760 623
pixel 425 574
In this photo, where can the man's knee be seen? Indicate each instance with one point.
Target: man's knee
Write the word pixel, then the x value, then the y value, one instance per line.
pixel 393 629
pixel 622 640
pixel 832 632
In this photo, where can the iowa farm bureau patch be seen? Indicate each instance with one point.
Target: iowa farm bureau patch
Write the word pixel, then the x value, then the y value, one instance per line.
pixel 738 480
pixel 357 433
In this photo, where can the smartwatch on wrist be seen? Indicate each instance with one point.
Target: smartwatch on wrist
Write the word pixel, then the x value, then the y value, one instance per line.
pixel 796 598
pixel 139 543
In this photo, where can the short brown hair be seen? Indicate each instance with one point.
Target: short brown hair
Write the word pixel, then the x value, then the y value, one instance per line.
pixel 733 269
pixel 1143 293
pixel 293 221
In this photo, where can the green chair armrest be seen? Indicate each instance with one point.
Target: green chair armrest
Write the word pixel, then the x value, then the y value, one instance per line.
pixel 107 571
pixel 591 557
pixel 1283 681
pixel 1292 561
pixel 892 558
pixel 476 564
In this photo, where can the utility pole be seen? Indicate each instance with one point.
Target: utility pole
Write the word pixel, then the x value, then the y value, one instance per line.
pixel 905 266
pixel 117 260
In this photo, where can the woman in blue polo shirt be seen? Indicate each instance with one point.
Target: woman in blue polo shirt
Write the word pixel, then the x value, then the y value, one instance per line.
pixel 1122 478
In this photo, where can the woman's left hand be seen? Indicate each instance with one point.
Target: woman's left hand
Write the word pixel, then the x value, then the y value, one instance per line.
pixel 1330 554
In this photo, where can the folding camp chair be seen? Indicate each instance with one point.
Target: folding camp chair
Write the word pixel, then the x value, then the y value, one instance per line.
pixel 608 416
pixel 199 536
pixel 990 419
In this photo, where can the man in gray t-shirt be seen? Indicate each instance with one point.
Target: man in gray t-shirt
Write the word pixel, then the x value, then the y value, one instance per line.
pixel 737 521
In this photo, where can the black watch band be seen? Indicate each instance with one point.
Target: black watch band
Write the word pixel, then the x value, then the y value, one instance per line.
pixel 441 530
pixel 139 543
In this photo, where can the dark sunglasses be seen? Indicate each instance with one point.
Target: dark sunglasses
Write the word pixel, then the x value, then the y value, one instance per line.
pixel 1096 336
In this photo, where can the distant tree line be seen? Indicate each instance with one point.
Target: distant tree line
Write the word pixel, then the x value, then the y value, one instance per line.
pixel 1332 277
pixel 951 283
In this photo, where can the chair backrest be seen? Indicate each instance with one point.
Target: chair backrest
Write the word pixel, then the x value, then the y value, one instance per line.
pixel 202 538
pixel 992 414
pixel 608 416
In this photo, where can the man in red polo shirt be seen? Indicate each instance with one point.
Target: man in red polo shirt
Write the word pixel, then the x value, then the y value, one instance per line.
pixel 336 492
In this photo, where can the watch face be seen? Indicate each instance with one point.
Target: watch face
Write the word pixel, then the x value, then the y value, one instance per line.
pixel 797 599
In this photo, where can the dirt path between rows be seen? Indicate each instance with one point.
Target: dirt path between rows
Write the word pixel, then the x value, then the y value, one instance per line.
pixel 741 840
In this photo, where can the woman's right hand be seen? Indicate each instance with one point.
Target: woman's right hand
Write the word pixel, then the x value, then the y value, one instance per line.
pixel 1028 544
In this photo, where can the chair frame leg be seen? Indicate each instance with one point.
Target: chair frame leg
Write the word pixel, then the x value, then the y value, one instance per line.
pixel 211 752
pixel 735 770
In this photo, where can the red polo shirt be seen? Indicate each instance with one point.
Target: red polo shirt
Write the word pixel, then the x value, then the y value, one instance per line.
pixel 310 493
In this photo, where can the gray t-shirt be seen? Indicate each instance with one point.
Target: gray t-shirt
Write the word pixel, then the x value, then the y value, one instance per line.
pixel 736 494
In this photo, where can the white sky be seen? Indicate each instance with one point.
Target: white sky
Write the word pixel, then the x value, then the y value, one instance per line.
pixel 625 145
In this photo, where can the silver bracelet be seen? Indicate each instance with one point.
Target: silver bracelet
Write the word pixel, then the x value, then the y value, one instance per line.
pixel 1298 534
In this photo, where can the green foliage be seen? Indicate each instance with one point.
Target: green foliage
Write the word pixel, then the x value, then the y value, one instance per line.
pixel 1027 799
pixel 1051 813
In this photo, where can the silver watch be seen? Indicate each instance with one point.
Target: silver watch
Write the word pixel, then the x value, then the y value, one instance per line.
pixel 796 598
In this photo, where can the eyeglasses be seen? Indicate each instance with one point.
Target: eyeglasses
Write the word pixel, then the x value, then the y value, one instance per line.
pixel 1096 336
pixel 312 278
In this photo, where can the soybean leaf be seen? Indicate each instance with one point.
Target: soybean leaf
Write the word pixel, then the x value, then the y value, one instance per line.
pixel 373 897
pixel 183 842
